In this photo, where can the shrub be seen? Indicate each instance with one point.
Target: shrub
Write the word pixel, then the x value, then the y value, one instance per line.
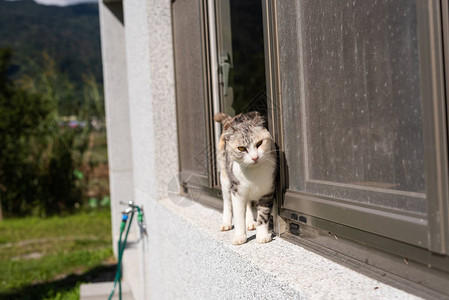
pixel 39 160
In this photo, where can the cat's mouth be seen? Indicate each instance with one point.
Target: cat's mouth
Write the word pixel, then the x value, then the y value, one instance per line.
pixel 254 163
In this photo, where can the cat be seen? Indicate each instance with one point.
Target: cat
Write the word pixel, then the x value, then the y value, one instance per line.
pixel 248 163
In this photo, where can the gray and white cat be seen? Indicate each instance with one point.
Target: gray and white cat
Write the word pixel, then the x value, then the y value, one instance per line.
pixel 248 168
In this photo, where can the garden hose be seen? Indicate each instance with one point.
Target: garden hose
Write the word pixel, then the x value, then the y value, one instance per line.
pixel 122 245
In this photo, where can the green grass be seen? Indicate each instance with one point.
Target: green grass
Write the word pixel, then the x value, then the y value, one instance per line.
pixel 49 258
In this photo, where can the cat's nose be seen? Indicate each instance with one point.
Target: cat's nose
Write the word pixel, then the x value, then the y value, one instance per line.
pixel 255 158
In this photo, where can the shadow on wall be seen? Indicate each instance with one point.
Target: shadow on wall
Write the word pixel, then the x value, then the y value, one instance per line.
pixel 116 9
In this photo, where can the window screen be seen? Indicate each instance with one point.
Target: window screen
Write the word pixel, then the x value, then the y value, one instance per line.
pixel 352 102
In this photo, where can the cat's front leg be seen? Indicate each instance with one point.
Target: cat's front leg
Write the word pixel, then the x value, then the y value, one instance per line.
pixel 250 224
pixel 263 234
pixel 227 211
pixel 239 209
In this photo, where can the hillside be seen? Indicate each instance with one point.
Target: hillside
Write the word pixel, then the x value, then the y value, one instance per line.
pixel 70 35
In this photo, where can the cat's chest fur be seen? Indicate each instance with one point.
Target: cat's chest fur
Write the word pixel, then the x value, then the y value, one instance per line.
pixel 256 181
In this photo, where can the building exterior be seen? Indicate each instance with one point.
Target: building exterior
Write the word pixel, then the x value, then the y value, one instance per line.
pixel 355 93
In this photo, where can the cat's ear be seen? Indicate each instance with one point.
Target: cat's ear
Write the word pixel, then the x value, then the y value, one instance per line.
pixel 257 119
pixel 222 118
pixel 253 114
pixel 228 127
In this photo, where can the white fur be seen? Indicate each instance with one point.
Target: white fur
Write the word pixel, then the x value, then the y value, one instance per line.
pixel 227 204
pixel 255 181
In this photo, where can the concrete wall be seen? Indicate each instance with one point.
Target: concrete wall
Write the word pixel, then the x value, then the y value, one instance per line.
pixel 152 110
pixel 185 255
pixel 117 109
pixel 141 115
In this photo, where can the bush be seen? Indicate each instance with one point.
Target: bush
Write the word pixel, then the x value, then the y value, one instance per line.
pixel 39 160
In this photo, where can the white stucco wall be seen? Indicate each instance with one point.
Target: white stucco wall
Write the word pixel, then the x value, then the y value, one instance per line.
pixel 117 109
pixel 185 255
pixel 150 71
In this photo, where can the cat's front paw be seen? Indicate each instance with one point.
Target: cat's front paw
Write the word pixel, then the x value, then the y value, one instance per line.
pixel 251 226
pixel 226 227
pixel 263 238
pixel 238 240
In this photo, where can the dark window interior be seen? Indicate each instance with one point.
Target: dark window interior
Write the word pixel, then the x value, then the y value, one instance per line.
pixel 241 48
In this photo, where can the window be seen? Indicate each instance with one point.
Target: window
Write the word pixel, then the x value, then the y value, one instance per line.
pixel 355 93
pixel 191 87
pixel 354 97
pixel 364 123
pixel 220 66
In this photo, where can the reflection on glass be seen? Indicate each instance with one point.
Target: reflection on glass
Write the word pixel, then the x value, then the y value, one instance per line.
pixel 360 84
pixel 241 56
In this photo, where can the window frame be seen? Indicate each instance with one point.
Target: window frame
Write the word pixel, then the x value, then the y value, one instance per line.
pixel 192 180
pixel 326 227
pixel 210 184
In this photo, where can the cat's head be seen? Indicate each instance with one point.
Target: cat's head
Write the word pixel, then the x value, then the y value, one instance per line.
pixel 248 142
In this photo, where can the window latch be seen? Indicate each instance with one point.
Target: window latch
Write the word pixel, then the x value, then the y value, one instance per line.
pixel 225 65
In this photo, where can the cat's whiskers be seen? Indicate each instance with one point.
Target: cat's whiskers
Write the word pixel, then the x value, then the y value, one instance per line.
pixel 271 151
pixel 273 161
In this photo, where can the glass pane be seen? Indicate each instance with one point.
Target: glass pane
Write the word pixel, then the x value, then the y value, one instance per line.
pixel 241 56
pixel 189 87
pixel 351 101
pixel 361 81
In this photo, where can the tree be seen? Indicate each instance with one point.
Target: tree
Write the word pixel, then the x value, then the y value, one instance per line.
pixel 38 159
pixel 25 118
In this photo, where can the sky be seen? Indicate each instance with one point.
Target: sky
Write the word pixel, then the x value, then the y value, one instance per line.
pixel 63 2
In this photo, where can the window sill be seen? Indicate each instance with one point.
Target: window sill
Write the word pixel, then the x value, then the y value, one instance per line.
pixel 278 269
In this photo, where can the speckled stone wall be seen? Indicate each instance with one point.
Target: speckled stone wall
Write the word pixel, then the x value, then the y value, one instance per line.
pixel 150 72
pixel 117 109
pixel 151 92
pixel 190 258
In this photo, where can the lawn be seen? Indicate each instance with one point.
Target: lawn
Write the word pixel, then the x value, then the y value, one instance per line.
pixel 49 258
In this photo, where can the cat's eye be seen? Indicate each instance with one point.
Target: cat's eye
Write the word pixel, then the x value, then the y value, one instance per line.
pixel 243 149
pixel 259 143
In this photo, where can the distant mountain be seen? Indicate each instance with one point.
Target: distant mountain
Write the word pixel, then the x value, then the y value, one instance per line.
pixel 70 35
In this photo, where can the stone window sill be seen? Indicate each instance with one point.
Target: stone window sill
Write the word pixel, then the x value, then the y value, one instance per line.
pixel 278 269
